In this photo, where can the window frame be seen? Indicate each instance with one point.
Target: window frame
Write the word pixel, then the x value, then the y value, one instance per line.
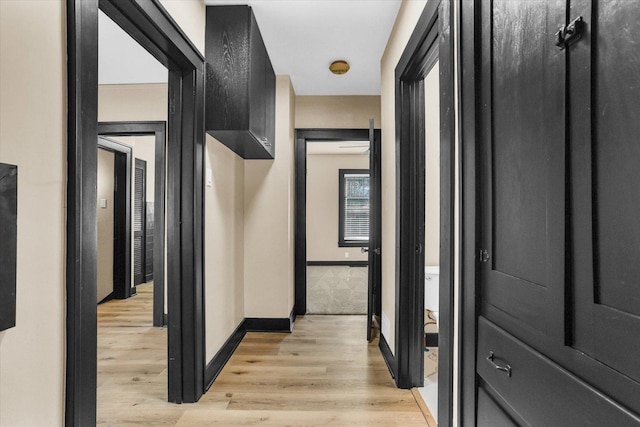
pixel 342 242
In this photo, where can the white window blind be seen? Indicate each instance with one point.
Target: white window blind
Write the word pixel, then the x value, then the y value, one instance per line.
pixel 356 207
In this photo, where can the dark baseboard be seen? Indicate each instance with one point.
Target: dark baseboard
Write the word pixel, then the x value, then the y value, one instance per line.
pixel 251 324
pixel 259 324
pixel 292 318
pixel 343 263
pixel 214 367
pixel 107 298
pixel 388 356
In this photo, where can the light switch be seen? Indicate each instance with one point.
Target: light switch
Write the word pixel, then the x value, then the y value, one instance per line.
pixel 209 178
pixel 103 203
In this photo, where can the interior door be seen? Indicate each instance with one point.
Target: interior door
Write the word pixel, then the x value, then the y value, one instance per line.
pixel 605 184
pixel 139 221
pixel 375 230
pixel 559 306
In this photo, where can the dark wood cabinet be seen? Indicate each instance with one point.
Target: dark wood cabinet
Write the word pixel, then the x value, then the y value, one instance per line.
pixel 559 289
pixel 240 85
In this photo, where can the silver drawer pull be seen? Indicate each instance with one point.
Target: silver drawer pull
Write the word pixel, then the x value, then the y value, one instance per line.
pixel 506 368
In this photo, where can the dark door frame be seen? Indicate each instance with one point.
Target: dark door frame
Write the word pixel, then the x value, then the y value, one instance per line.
pixel 121 217
pixel 302 137
pixel 158 130
pixel 431 41
pixel 151 26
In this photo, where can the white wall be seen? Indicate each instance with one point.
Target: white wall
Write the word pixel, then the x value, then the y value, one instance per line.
pixel 33 122
pixel 33 136
pixel 406 20
pixel 268 212
pixel 339 112
pixel 322 206
pixel 224 245
pixel 432 167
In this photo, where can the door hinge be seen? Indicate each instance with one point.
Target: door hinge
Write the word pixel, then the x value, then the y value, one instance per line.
pixel 484 255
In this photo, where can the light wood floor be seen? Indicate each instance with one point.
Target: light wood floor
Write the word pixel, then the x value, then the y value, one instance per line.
pixel 324 373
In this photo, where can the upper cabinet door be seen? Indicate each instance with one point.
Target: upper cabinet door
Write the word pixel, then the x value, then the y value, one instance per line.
pixel 605 186
pixel 522 173
pixel 240 83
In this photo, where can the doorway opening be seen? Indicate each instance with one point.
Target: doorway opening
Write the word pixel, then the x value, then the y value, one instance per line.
pixel 151 26
pixel 113 217
pixel 338 226
pixel 150 140
pixel 426 203
pixel 343 250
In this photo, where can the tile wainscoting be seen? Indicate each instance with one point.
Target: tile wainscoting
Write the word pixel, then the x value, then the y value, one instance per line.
pixel 336 289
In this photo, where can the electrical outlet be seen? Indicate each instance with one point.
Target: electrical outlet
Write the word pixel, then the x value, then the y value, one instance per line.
pixel 346 254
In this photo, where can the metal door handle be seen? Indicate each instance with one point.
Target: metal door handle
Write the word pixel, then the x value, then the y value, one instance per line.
pixel 506 368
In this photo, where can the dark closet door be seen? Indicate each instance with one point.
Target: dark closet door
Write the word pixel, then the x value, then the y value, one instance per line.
pixel 149 233
pixel 139 220
pixel 558 335
pixel 605 184
pixel 522 194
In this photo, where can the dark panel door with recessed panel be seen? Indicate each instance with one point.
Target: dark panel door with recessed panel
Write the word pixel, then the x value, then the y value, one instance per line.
pixel 605 186
pixel 558 330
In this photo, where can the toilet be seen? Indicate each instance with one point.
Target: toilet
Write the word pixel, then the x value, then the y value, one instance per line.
pixel 432 291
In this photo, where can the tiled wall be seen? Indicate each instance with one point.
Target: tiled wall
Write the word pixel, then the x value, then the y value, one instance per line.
pixel 336 290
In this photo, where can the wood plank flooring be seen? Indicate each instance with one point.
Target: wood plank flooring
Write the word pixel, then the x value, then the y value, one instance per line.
pixel 324 373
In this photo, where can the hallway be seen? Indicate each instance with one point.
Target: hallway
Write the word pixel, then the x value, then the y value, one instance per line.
pixel 324 373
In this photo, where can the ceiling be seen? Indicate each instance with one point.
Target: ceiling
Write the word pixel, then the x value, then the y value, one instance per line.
pixel 121 60
pixel 302 38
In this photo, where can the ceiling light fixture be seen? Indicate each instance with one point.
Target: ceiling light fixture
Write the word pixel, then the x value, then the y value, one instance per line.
pixel 339 67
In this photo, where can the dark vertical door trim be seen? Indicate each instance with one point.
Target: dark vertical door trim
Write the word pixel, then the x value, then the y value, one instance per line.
pixel 149 24
pixel 431 41
pixel 372 232
pixel 300 226
pixel 81 263
pixel 158 129
pixel 300 233
pixel 121 217
pixel 468 219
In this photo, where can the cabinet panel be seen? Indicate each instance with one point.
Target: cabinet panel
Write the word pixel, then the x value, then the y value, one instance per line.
pixel 539 391
pixel 240 95
pixel 605 155
pixel 490 414
pixel 522 150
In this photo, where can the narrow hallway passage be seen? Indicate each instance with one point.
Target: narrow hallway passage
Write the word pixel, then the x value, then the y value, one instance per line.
pixel 324 373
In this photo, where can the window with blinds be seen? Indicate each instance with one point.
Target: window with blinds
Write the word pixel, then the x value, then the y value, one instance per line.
pixel 354 207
